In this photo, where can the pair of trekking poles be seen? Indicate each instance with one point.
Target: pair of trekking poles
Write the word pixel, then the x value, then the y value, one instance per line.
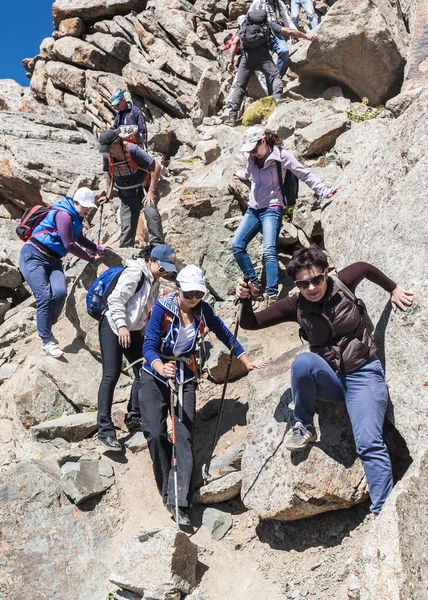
pixel 174 395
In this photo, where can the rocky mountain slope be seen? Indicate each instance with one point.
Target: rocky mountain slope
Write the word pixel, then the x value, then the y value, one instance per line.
pixel 356 115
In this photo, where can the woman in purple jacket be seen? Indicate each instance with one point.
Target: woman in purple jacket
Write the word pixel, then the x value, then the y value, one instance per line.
pixel 266 204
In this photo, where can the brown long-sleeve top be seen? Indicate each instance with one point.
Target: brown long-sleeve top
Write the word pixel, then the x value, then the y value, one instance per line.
pixel 285 310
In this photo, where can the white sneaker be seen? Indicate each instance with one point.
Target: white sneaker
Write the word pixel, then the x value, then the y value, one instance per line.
pixel 52 349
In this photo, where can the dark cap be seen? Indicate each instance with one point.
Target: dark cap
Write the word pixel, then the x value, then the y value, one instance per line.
pixel 107 138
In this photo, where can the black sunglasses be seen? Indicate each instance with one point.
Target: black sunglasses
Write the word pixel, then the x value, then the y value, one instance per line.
pixel 254 150
pixel 162 271
pixel 191 295
pixel 303 284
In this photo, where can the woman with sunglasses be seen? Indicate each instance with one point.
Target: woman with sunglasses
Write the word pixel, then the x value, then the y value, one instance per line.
pixel 121 332
pixel 342 365
pixel 173 333
pixel 266 205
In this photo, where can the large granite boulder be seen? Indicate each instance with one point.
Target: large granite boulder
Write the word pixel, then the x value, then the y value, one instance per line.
pixel 278 484
pixel 379 217
pixel 83 54
pixel 92 10
pixel 362 44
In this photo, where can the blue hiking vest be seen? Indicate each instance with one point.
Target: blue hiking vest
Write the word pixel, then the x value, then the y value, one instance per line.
pixel 46 232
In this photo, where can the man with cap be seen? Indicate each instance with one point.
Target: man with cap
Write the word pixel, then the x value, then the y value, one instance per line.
pixel 57 234
pixel 128 114
pixel 127 166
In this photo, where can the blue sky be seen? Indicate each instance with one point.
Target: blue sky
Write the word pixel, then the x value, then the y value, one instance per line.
pixel 24 25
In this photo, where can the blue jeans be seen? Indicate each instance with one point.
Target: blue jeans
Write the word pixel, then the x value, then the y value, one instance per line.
pixel 365 394
pixel 279 46
pixel 268 221
pixel 308 7
pixel 46 279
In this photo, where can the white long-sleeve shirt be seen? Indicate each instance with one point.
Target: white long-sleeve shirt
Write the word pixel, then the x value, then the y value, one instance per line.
pixel 275 11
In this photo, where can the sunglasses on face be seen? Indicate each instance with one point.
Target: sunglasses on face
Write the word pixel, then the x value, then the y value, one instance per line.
pixel 163 271
pixel 303 284
pixel 191 295
pixel 254 150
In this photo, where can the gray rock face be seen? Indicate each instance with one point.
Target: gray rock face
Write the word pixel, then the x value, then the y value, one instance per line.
pixel 66 76
pixel 220 490
pixel 286 486
pixel 84 479
pixel 74 27
pixel 72 428
pixel 321 135
pixel 388 170
pixel 362 45
pixel 207 150
pixel 10 94
pixel 156 563
pixel 288 117
pixel 83 54
pixel 137 442
pixel 217 523
pixel 92 10
pixel 393 561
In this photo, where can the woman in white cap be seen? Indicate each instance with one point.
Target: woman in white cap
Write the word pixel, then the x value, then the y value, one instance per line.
pixel 177 322
pixel 266 204
pixel 57 234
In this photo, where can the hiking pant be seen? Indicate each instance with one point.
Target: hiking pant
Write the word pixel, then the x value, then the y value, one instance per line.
pixel 308 7
pixel 112 353
pixel 155 398
pixel 365 394
pixel 258 59
pixel 279 46
pixel 268 221
pixel 46 279
pixel 130 208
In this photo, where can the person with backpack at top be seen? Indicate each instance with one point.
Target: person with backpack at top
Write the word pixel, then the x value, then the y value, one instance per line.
pixel 267 166
pixel 342 365
pixel 254 39
pixel 128 114
pixel 127 166
pixel 121 331
pixel 58 233
pixel 309 9
pixel 176 325
pixel 276 11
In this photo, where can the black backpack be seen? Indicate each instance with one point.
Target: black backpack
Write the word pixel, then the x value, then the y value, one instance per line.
pixel 289 186
pixel 256 31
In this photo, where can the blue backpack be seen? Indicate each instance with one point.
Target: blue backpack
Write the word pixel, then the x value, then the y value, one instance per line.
pixel 100 290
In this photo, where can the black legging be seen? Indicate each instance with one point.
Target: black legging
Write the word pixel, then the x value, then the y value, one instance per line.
pixel 112 353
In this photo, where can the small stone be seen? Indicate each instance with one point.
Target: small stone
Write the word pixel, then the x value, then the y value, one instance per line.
pixel 207 150
pixel 209 411
pixel 84 479
pixel 220 490
pixel 137 442
pixel 217 523
pixel 72 428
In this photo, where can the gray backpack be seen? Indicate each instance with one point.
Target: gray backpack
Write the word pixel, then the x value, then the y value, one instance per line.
pixel 256 30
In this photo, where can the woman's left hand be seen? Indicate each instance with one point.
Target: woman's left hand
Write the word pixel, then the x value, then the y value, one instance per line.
pixel 333 191
pixel 401 298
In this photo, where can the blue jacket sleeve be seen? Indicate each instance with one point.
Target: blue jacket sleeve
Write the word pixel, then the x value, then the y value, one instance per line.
pixel 216 325
pixel 152 337
pixel 141 124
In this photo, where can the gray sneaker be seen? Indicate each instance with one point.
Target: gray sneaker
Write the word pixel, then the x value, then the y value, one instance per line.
pixel 299 436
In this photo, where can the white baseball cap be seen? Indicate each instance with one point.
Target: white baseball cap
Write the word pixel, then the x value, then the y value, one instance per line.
pixel 85 197
pixel 251 137
pixel 191 279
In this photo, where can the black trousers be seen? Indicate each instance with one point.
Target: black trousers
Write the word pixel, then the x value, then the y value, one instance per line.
pixel 257 59
pixel 112 354
pixel 130 208
pixel 155 398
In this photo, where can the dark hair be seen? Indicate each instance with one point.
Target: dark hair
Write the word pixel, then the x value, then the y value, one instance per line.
pixel 305 258
pixel 272 139
pixel 145 252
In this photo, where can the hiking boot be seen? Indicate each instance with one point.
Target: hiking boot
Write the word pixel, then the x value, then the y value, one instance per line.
pixel 111 443
pixel 279 101
pixel 299 436
pixel 230 122
pixel 134 423
pixel 52 349
pixel 183 517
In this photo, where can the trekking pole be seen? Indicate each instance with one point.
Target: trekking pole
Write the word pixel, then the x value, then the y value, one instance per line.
pixel 172 384
pixel 101 224
pixel 206 473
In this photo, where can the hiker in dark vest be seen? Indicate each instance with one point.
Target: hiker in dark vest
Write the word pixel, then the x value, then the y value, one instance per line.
pixel 342 365
pixel 254 39
pixel 266 205
pixel 57 234
pixel 128 167
pixel 121 332
pixel 176 325
pixel 128 114
pixel 276 11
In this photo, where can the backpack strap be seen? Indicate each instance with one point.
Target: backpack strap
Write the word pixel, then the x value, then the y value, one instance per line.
pixel 368 323
pixel 281 180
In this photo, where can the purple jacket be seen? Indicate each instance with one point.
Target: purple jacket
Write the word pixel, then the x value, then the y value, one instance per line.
pixel 265 186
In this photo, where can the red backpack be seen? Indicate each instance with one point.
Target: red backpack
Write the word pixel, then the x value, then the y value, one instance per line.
pixel 29 221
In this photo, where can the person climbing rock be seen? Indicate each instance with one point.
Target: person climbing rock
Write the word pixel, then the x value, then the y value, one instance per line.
pixel 342 365
pixel 128 114
pixel 266 204
pixel 127 166
pixel 57 234
pixel 254 38
pixel 121 332
pixel 176 325
pixel 309 9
